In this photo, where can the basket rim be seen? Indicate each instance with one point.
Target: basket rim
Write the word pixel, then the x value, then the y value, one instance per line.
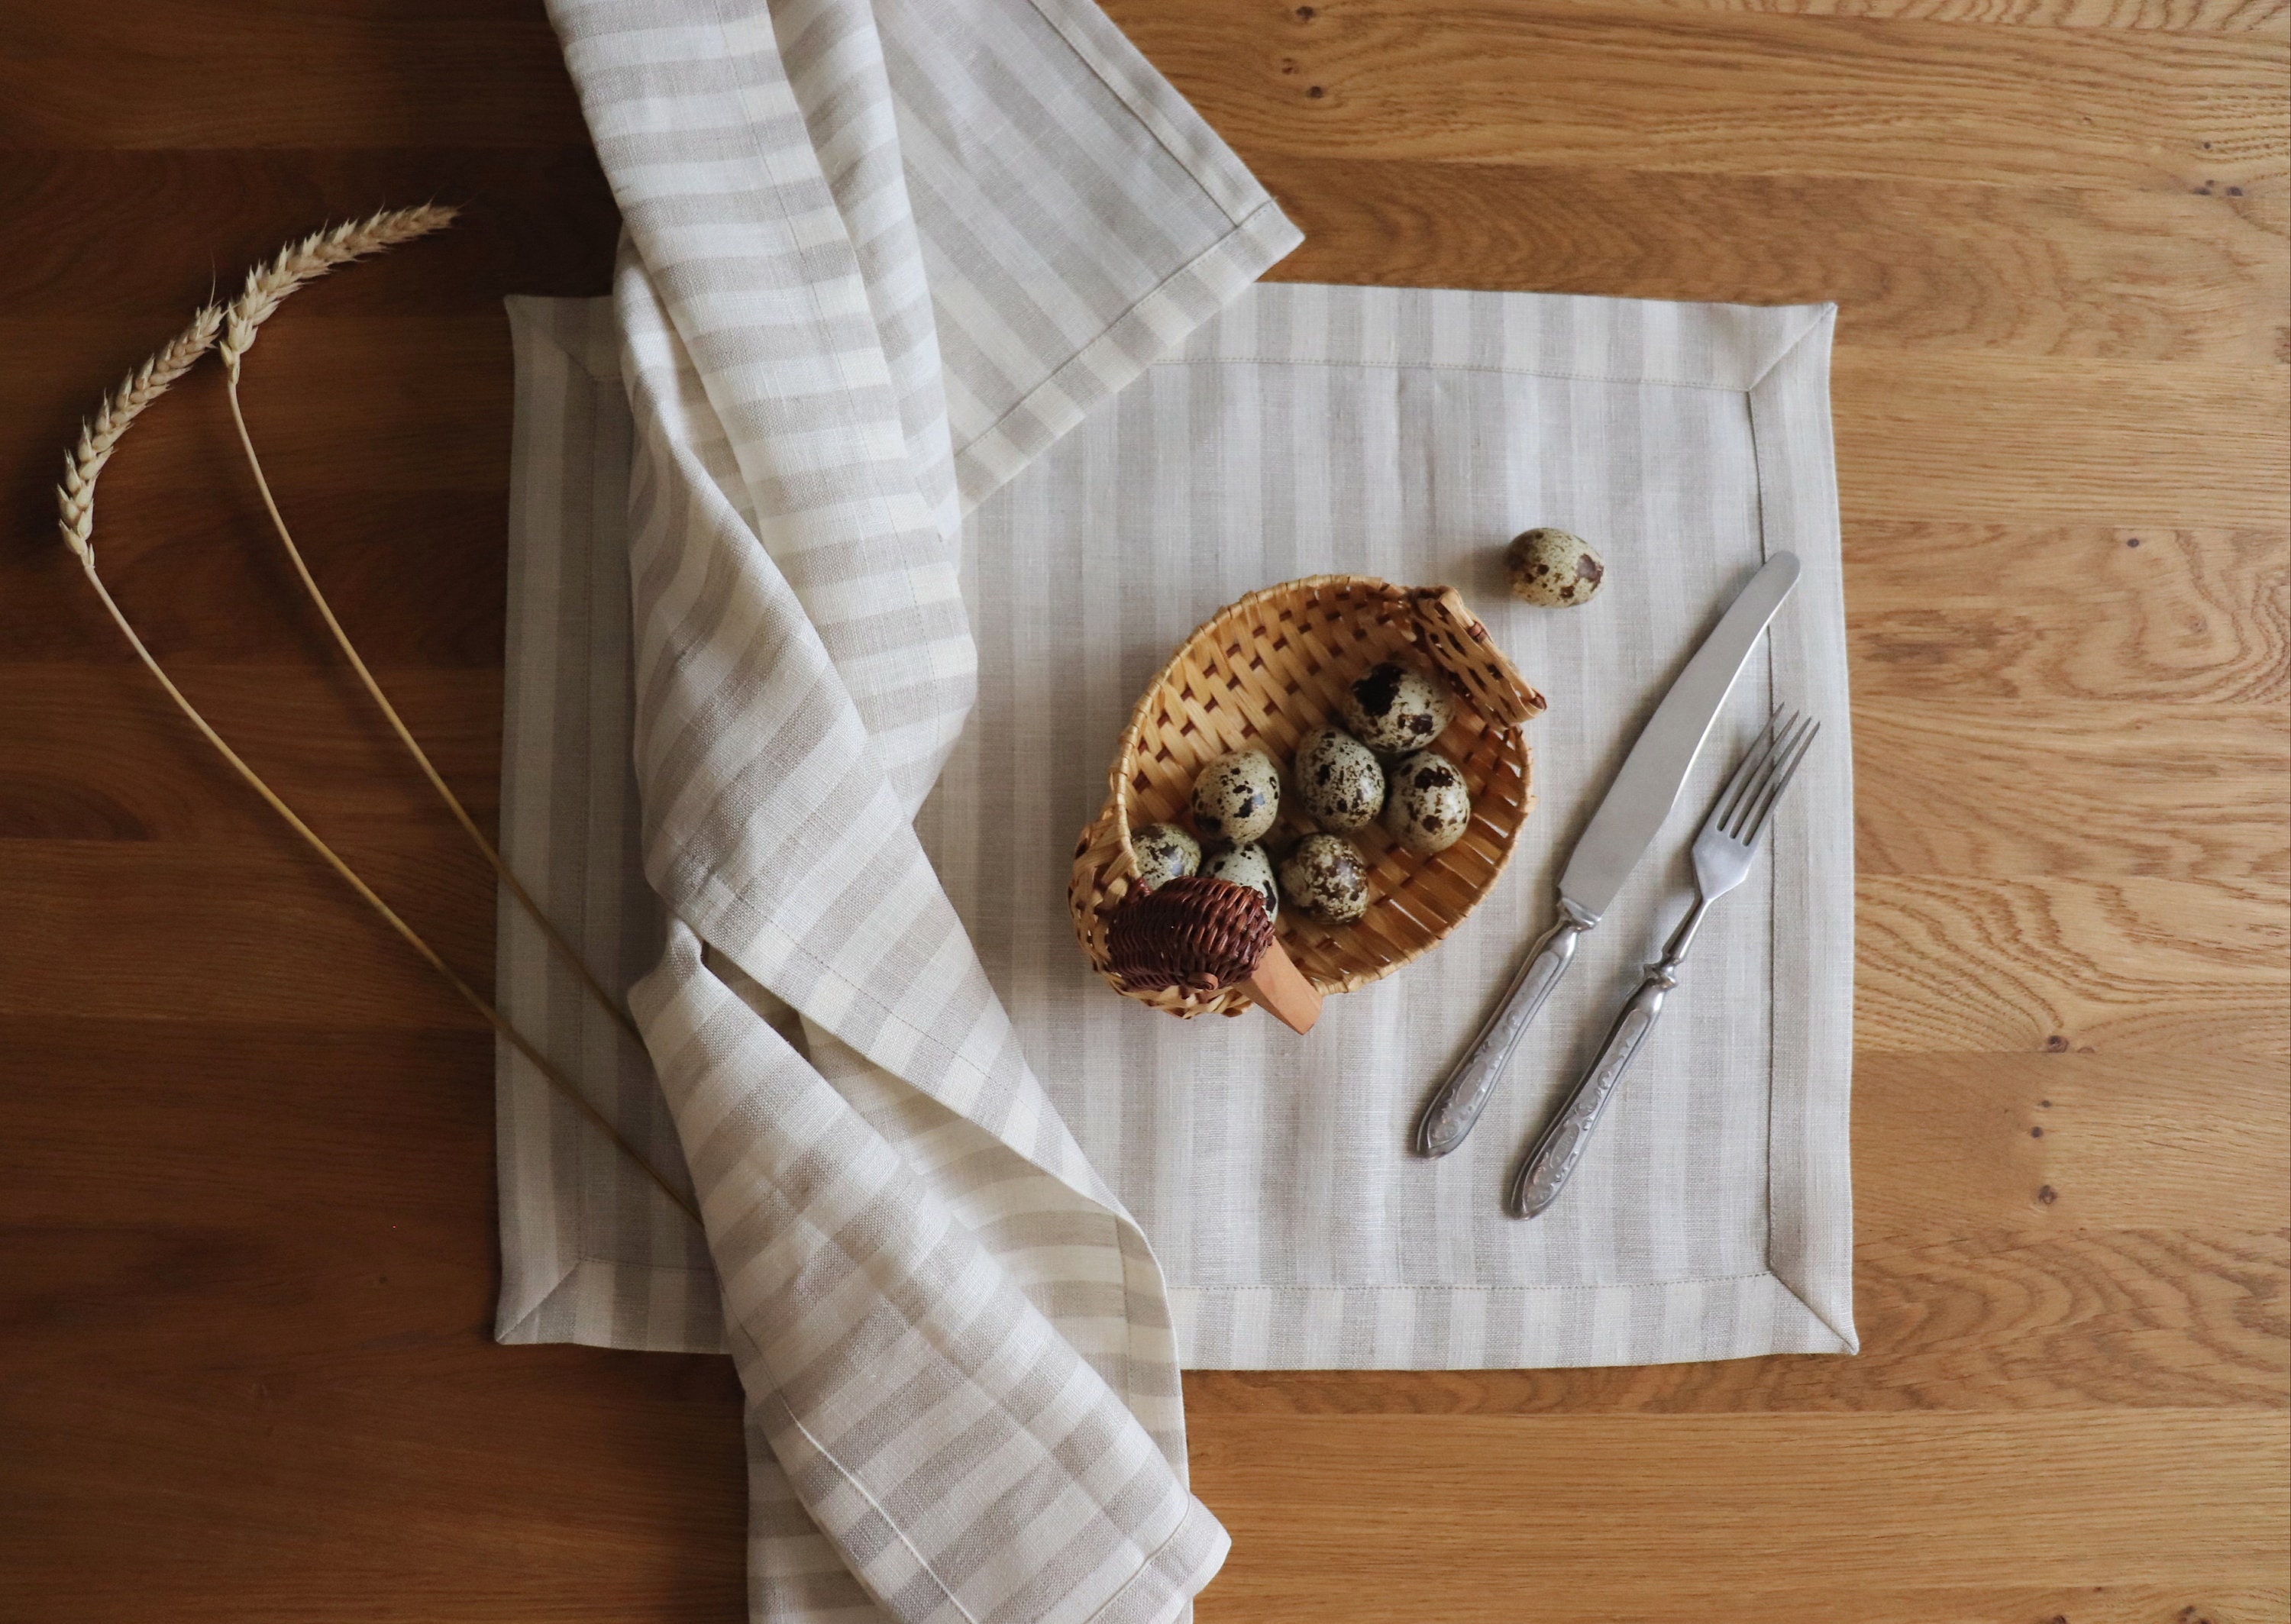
pixel 1370 591
pixel 1125 759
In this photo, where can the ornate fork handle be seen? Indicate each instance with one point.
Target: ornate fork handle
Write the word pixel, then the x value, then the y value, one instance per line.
pixel 1723 854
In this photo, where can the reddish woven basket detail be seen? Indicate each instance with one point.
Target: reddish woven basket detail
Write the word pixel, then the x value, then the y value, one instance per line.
pixel 1260 674
pixel 1195 932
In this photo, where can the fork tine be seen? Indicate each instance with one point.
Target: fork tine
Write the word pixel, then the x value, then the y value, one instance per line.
pixel 1774 799
pixel 1752 758
pixel 1739 807
pixel 1760 796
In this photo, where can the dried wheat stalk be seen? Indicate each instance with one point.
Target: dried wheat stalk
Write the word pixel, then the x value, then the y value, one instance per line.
pixel 76 514
pixel 267 287
pixel 100 435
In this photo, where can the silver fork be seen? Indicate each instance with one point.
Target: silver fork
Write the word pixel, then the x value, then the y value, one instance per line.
pixel 1723 854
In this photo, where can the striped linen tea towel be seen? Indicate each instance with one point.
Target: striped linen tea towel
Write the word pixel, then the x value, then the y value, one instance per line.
pixel 961 1384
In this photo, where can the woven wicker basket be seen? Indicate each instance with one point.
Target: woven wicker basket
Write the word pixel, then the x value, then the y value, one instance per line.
pixel 1262 673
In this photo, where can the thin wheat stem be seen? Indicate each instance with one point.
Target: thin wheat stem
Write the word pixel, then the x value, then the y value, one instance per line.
pixel 470 994
pixel 269 286
pixel 524 900
pixel 83 464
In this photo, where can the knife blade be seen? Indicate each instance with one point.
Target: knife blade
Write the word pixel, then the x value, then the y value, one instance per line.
pixel 1636 806
pixel 1651 775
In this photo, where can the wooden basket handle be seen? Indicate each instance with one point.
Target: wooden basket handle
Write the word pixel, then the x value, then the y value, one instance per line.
pixel 1453 636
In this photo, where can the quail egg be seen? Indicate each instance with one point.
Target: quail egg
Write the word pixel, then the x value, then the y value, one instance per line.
pixel 1430 805
pixel 1247 866
pixel 1237 796
pixel 1339 781
pixel 1553 568
pixel 1164 852
pixel 1326 877
pixel 1396 708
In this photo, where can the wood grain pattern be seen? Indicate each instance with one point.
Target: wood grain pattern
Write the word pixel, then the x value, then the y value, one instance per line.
pixel 2007 612
pixel 1964 966
pixel 195 74
pixel 537 216
pixel 1727 93
pixel 2023 787
pixel 2188 16
pixel 1922 264
pixel 1567 1522
pixel 240 934
pixel 1977 437
pixel 246 1257
pixel 2157 1143
pixel 2074 1322
pixel 208 587
pixel 311 733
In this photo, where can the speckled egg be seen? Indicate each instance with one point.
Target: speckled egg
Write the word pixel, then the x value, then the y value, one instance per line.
pixel 1164 852
pixel 1429 805
pixel 1339 782
pixel 1554 568
pixel 1396 708
pixel 1247 866
pixel 1237 796
pixel 1326 877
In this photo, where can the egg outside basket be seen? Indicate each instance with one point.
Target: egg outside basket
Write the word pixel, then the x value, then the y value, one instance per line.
pixel 1261 673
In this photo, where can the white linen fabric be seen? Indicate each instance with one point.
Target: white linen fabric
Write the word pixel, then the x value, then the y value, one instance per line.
pixel 1404 434
pixel 1409 434
pixel 961 1382
pixel 885 266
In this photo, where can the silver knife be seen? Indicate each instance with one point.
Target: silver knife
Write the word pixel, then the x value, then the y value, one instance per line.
pixel 1637 803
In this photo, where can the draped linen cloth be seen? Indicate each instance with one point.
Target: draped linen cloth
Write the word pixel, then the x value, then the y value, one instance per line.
pixel 961 1384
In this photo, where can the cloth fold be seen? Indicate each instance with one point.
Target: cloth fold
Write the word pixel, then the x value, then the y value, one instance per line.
pixel 963 1455
pixel 977 1409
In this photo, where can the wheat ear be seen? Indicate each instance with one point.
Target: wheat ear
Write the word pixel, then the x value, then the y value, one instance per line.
pixel 100 435
pixel 75 513
pixel 268 284
pixel 267 287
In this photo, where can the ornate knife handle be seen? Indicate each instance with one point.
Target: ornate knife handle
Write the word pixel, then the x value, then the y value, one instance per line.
pixel 1467 1089
pixel 1560 1145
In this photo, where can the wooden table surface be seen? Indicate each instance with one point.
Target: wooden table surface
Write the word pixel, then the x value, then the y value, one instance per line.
pixel 246 1244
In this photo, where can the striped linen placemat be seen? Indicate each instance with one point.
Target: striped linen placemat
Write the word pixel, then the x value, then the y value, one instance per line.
pixel 1405 433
